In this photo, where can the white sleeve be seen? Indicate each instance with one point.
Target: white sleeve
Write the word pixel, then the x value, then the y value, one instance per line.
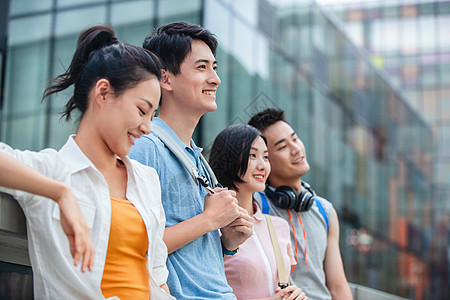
pixel 39 161
pixel 159 270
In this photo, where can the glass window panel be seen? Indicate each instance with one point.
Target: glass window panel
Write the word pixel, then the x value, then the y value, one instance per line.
pixel 409 36
pixel 133 20
pixel 26 6
pixel 29 30
pixel 430 101
pixel 410 75
pixel 409 11
pixel 375 31
pixel 372 13
pixel 444 142
pixel 355 15
pixel 443 7
pixel 26 65
pixel 429 77
pixel 179 10
pixel 305 46
pixel 412 96
pixel 317 153
pixel 390 11
pixel 445 105
pixel 219 24
pixel 428 59
pixel 426 8
pixel 243 45
pixel 427 33
pixel 243 68
pixel 288 86
pixel 68 22
pixel 60 129
pixel 66 3
pixel 319 33
pixel 248 10
pixel 390 35
pixel 444 25
pixel 131 12
pixel 355 31
pixel 26 133
pixel 444 69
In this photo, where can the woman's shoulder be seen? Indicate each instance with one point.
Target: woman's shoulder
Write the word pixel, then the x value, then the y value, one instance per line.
pixel 280 224
pixel 44 161
pixel 143 170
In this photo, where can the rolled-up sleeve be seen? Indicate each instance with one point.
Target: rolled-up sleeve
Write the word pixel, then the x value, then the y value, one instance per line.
pixel 39 161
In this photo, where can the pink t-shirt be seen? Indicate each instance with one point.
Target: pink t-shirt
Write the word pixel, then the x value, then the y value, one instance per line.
pixel 247 271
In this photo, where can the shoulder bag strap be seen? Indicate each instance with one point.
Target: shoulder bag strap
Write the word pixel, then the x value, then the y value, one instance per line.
pixel 282 278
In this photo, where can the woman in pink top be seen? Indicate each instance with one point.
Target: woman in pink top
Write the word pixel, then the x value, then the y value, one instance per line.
pixel 239 159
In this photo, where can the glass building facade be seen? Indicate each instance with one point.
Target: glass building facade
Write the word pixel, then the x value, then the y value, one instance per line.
pixel 409 40
pixel 370 151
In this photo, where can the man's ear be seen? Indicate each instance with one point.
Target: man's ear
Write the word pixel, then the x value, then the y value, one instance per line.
pixel 166 80
pixel 102 89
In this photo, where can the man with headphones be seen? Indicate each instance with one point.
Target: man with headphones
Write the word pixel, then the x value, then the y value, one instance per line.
pixel 313 220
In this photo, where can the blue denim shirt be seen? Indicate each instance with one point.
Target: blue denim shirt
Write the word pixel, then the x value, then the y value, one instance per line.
pixel 196 270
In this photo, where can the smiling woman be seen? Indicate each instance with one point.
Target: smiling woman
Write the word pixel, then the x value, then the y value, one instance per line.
pixel 106 208
pixel 240 160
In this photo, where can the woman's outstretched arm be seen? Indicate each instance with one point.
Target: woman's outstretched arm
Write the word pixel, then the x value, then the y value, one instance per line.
pixel 15 175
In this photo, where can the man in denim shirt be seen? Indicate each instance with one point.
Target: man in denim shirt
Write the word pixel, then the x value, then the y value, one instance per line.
pixel 188 90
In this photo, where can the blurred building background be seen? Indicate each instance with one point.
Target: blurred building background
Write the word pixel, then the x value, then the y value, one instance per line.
pixel 378 143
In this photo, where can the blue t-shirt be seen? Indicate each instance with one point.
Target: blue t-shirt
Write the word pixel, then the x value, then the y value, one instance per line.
pixel 196 270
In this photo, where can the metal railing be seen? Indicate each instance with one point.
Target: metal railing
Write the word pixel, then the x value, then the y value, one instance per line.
pixel 360 292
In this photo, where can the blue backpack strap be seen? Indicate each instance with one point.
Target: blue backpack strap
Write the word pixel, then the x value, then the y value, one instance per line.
pixel 264 204
pixel 322 211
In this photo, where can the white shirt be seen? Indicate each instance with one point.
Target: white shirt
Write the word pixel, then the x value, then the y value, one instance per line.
pixel 55 276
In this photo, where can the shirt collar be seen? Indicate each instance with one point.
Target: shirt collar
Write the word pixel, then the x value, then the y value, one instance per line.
pixel 73 156
pixel 258 215
pixel 76 160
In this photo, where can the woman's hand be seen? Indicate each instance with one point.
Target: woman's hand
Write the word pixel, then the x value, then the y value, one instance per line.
pixel 290 293
pixel 76 229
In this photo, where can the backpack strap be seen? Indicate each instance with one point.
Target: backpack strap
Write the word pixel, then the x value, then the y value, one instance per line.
pixel 265 207
pixel 264 204
pixel 183 158
pixel 322 211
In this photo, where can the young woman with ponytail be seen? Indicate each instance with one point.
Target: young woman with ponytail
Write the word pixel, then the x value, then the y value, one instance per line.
pixel 94 217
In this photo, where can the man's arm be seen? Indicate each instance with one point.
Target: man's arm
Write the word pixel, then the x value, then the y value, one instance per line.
pixel 334 270
pixel 220 210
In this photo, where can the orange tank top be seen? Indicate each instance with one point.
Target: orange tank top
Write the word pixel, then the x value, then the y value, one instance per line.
pixel 125 274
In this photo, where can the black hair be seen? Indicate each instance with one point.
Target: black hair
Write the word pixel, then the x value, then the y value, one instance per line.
pixel 230 152
pixel 172 43
pixel 100 55
pixel 266 118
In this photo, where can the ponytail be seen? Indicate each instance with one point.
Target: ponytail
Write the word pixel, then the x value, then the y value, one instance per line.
pixel 100 55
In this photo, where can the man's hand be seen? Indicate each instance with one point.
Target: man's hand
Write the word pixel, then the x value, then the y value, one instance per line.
pixel 221 208
pixel 76 229
pixel 290 293
pixel 238 231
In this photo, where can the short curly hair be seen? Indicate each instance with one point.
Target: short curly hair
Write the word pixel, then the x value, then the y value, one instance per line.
pixel 266 118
